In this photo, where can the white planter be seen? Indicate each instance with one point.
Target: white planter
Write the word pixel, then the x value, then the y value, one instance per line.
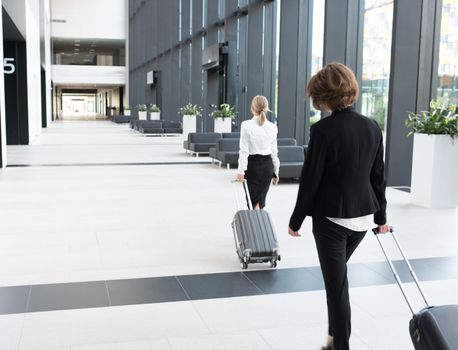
pixel 127 112
pixel 142 115
pixel 434 171
pixel 223 124
pixel 189 124
pixel 155 116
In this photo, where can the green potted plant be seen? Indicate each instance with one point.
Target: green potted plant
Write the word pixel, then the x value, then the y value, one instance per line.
pixel 189 113
pixel 142 111
pixel 224 115
pixel 435 155
pixel 154 112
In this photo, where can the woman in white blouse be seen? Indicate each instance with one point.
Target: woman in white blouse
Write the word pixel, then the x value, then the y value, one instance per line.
pixel 258 155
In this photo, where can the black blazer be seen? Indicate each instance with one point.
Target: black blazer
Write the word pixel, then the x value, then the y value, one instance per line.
pixel 343 173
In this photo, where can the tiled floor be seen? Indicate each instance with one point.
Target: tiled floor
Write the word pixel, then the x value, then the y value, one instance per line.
pixel 129 216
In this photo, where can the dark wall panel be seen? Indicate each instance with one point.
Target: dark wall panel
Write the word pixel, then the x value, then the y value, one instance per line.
pixel 185 54
pixel 230 35
pixel 196 59
pixel 292 69
pixel 255 59
pixel 16 101
pixel 411 72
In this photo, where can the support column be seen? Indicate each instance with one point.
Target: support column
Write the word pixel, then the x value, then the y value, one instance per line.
pixel 269 55
pixel 211 87
pixel 171 112
pixel 230 35
pixel 255 59
pixel 292 69
pixel 343 33
pixel 185 69
pixel 413 69
pixel 196 59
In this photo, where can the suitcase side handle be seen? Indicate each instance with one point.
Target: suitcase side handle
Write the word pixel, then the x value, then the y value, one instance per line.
pixel 393 269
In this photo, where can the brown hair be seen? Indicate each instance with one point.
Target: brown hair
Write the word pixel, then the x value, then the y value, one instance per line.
pixel 334 87
pixel 259 106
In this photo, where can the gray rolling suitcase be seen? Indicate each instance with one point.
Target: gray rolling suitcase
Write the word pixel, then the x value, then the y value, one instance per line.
pixel 434 327
pixel 254 235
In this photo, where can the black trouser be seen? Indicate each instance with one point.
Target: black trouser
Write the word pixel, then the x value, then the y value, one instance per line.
pixel 335 245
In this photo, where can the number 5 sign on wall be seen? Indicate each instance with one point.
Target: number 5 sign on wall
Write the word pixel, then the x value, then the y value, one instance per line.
pixel 8 66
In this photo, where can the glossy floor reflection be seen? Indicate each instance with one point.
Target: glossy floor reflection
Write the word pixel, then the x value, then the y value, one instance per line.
pixel 130 244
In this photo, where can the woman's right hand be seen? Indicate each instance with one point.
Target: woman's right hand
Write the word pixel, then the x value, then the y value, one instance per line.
pixel 275 180
pixel 383 228
pixel 240 178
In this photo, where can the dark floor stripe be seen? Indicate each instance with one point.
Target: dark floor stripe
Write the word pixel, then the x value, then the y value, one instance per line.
pixel 66 296
pixel 402 188
pixel 104 164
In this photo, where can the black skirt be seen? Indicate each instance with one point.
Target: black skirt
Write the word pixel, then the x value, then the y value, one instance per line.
pixel 258 175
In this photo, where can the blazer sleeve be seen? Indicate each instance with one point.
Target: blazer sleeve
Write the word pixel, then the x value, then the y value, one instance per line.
pixel 378 183
pixel 312 172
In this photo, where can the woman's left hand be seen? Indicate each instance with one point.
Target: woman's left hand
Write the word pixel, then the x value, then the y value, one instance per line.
pixel 240 178
pixel 275 180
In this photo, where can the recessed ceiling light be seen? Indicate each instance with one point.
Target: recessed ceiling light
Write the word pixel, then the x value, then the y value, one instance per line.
pixel 76 49
pixel 77 44
pixel 77 40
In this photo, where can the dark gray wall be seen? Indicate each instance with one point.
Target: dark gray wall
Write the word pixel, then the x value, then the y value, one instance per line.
pixel 249 28
pixel 294 19
pixel 156 44
pixel 16 101
pixel 413 66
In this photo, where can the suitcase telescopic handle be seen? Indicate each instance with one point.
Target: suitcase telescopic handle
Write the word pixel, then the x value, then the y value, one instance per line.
pixel 393 269
pixel 247 194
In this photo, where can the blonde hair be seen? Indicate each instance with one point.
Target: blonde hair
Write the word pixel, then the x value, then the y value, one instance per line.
pixel 260 106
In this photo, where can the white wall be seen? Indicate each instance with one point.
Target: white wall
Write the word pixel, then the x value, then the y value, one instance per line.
pixel 48 66
pixel 104 19
pixel 32 12
pixel 2 100
pixel 106 75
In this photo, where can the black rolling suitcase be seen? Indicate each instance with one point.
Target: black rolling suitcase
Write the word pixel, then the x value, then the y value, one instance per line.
pixel 434 327
pixel 254 235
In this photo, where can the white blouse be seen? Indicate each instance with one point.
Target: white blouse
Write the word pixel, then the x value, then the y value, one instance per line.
pixel 359 224
pixel 258 139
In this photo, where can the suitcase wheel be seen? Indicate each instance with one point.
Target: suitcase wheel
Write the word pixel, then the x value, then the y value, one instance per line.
pixel 244 265
pixel 273 263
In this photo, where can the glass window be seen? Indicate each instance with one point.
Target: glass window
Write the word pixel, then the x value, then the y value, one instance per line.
pixel 448 53
pixel 378 23
pixel 88 52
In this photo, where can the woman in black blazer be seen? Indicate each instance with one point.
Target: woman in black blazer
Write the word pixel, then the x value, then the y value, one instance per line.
pixel 342 188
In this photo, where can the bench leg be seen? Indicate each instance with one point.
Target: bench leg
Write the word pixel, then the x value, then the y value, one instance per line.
pixel 228 166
